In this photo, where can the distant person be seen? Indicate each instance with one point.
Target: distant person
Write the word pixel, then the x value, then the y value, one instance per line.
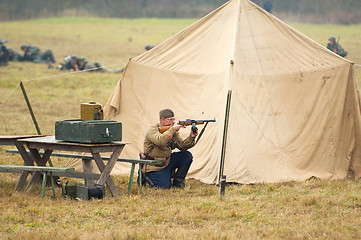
pixel 97 67
pixel 148 47
pixel 335 47
pixel 14 55
pixel 268 6
pixel 33 54
pixel 71 63
pixel 85 65
pixel 4 53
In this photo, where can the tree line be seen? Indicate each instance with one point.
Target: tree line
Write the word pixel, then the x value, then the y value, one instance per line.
pixel 317 11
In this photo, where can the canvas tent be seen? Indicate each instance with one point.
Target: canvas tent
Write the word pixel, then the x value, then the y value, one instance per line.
pixel 294 107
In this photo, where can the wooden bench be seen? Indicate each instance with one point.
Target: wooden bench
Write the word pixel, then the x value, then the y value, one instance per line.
pixel 44 170
pixel 105 158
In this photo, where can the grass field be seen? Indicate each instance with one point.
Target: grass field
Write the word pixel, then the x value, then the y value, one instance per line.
pixel 296 210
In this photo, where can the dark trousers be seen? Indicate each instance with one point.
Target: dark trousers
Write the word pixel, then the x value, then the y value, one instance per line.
pixel 178 161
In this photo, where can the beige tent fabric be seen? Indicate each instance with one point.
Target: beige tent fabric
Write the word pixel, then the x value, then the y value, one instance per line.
pixel 295 106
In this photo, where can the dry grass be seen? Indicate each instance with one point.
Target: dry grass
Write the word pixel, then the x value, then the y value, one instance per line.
pixel 314 209
pixel 296 210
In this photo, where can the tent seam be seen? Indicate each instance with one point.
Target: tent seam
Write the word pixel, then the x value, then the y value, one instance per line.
pixel 268 95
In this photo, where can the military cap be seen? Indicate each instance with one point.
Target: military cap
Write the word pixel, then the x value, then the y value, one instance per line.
pixel 74 56
pixel 23 46
pixel 332 38
pixel 82 59
pixel 166 113
pixel 2 41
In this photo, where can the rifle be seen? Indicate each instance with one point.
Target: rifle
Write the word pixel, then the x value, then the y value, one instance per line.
pixel 189 122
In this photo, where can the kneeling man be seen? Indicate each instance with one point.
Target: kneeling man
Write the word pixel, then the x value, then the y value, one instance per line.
pixel 158 144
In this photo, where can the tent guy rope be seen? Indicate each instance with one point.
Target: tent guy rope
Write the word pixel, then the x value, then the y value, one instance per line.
pixel 58 75
pixel 68 73
pixel 10 95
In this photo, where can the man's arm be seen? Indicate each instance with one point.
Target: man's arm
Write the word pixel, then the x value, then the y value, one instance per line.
pixel 186 143
pixel 160 139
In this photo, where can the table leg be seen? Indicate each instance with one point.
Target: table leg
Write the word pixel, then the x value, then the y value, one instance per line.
pixel 45 181
pixel 52 183
pixel 44 184
pixel 106 170
pixel 27 161
pixel 24 154
pixel 131 178
pixel 88 168
pixel 22 179
pixel 40 161
pixel 140 178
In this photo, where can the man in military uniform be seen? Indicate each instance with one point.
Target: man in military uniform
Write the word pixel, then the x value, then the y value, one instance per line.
pixel 4 53
pixel 335 47
pixel 14 55
pixel 33 54
pixel 159 145
pixel 148 47
pixel 85 65
pixel 71 63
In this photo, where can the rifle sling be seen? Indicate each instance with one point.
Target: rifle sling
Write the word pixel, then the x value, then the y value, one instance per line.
pixel 201 133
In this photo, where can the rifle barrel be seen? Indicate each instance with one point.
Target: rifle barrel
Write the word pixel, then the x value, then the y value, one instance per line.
pixel 189 122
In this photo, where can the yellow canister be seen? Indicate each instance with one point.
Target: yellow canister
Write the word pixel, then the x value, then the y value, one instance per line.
pixel 91 111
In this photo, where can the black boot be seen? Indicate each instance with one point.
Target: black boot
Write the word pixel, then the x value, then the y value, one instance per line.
pixel 180 175
pixel 145 180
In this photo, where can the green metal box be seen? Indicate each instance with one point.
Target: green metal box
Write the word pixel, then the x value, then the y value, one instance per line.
pixel 84 192
pixel 95 131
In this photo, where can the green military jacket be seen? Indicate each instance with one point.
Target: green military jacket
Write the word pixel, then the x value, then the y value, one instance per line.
pixel 31 53
pixel 89 65
pixel 161 151
pixel 15 56
pixel 336 48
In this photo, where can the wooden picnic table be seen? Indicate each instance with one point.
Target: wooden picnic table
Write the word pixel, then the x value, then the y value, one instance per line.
pixel 48 143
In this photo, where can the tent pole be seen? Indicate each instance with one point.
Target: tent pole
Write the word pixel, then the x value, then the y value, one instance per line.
pixel 225 131
pixel 32 114
pixel 30 109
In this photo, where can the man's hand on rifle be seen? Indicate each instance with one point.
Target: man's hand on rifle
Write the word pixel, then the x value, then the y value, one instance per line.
pixel 177 126
pixel 194 134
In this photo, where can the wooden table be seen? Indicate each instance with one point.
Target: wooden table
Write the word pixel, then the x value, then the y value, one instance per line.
pixel 13 140
pixel 49 144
